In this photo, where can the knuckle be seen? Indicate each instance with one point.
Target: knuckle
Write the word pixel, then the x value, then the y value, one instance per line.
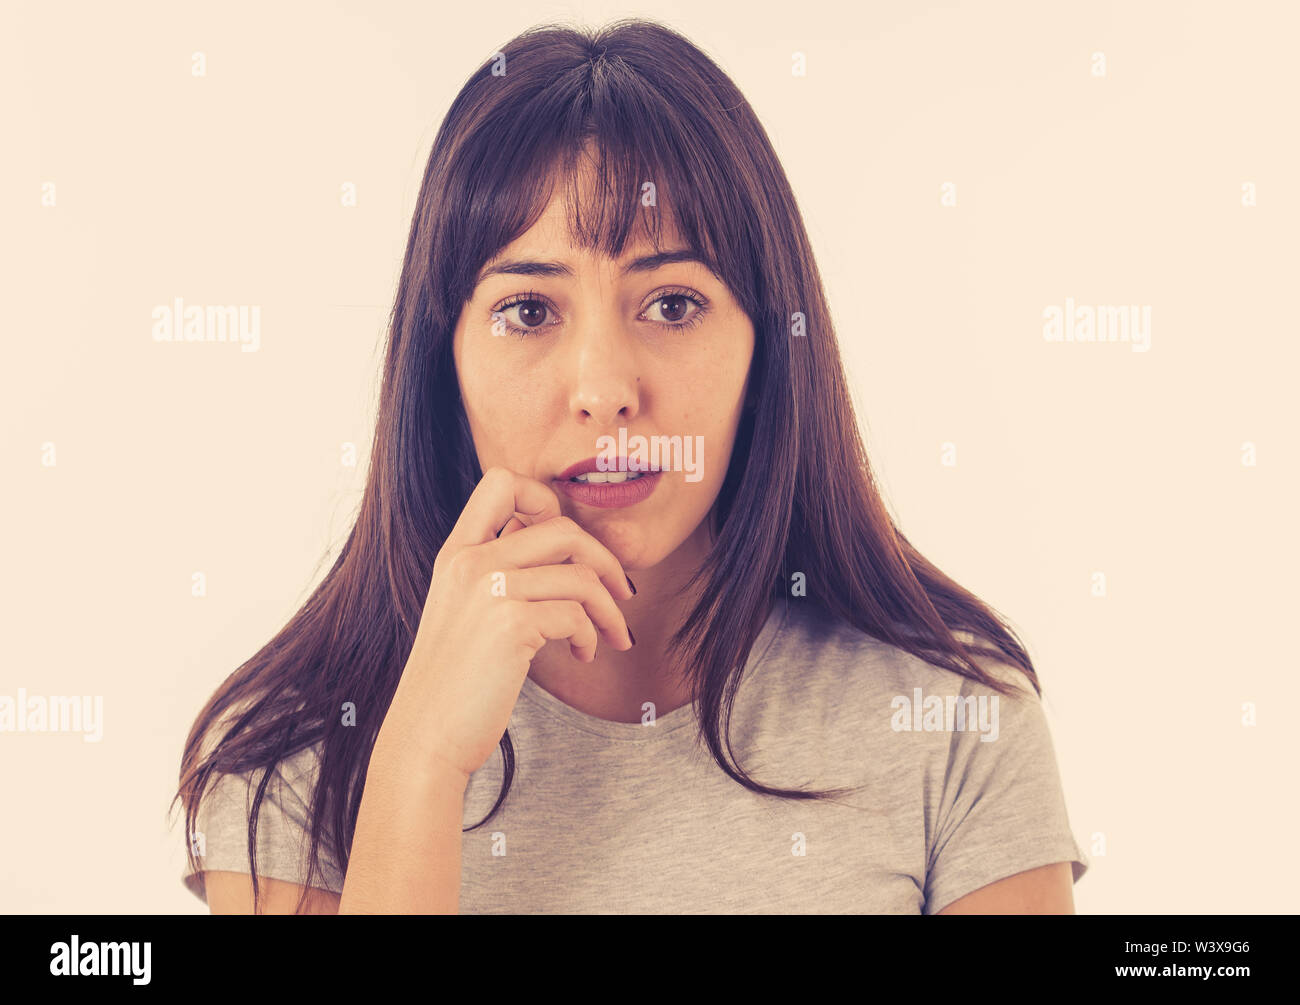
pixel 461 567
pixel 577 615
pixel 585 574
pixel 514 616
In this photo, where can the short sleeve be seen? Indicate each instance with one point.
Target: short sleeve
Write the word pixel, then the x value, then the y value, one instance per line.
pixel 1001 808
pixel 283 828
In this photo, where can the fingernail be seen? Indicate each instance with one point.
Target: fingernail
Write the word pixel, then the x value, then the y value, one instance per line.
pixel 630 585
pixel 630 635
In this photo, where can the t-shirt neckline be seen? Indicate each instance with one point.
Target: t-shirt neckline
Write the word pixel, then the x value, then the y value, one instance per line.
pixel 668 723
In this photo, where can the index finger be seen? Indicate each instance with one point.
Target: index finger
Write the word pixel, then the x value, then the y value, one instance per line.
pixel 499 495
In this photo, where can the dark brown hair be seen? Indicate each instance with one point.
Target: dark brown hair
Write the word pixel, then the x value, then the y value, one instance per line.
pixel 656 109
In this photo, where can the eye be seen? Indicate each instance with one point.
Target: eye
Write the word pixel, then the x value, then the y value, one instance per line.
pixel 531 314
pixel 674 308
pixel 525 314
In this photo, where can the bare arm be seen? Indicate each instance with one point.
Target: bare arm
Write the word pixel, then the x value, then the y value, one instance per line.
pixel 1046 890
pixel 232 893
pixel 405 853
pixel 405 856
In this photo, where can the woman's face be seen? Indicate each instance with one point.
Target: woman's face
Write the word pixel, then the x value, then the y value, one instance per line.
pixel 549 364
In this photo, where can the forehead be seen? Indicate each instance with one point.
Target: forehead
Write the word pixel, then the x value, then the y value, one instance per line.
pixel 573 203
pixel 552 238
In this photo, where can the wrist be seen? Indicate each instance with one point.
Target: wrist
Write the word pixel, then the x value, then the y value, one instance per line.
pixel 396 758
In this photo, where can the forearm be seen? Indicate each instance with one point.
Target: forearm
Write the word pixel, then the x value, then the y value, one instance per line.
pixel 405 855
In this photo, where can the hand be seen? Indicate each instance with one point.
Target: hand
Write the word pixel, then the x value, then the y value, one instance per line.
pixel 493 602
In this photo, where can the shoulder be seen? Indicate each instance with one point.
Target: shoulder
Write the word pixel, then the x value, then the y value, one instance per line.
pixel 220 835
pixel 293 775
pixel 821 680
pixel 969 768
pixel 814 649
pixel 288 790
pixel 229 795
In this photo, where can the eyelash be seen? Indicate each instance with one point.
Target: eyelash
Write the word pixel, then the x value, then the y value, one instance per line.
pixel 523 298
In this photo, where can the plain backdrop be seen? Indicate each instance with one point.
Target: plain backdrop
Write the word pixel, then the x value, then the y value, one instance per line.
pixel 1167 181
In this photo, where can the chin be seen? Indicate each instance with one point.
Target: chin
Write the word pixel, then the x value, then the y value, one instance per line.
pixel 633 542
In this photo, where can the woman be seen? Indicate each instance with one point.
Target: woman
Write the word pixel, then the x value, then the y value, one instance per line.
pixel 607 270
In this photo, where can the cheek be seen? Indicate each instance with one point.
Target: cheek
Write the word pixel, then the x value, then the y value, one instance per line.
pixel 709 412
pixel 712 392
pixel 496 377
pixel 504 410
pixel 481 404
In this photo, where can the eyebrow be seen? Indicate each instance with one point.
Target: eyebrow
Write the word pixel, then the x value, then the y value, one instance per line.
pixel 559 270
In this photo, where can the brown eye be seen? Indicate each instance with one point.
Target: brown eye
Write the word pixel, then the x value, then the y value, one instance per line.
pixel 675 310
pixel 531 312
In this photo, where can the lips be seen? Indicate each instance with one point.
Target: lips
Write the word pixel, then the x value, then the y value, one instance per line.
pixel 593 464
pixel 608 495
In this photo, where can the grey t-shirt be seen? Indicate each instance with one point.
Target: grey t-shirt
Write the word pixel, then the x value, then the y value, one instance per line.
pixel 614 817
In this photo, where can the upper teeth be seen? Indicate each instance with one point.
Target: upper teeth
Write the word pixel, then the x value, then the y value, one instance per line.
pixel 614 477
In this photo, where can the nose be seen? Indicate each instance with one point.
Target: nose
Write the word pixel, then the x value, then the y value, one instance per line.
pixel 604 388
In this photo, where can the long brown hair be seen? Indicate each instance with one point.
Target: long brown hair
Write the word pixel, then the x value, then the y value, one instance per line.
pixel 658 110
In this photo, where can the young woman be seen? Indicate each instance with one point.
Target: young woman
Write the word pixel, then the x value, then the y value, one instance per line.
pixel 611 360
